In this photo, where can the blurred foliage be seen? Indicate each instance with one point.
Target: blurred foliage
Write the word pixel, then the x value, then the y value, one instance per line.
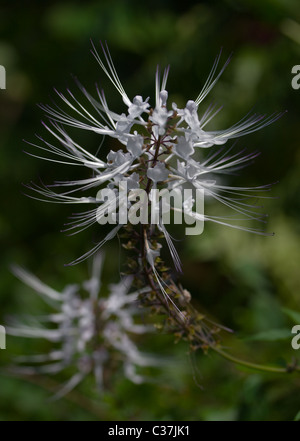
pixel 249 283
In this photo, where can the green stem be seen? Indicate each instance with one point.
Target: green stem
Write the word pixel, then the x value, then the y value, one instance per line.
pixel 289 368
pixel 259 367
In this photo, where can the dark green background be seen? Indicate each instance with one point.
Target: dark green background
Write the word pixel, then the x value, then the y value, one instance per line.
pixel 241 280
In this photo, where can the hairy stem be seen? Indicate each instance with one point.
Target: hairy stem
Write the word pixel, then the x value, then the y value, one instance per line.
pixel 199 336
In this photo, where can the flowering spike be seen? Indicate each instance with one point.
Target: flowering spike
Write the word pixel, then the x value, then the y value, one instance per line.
pixel 90 332
pixel 157 151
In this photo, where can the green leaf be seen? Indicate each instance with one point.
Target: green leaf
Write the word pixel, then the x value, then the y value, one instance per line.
pixel 297 417
pixel 294 315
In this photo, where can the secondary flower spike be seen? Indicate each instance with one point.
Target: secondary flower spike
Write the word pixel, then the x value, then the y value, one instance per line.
pixel 90 333
pixel 160 147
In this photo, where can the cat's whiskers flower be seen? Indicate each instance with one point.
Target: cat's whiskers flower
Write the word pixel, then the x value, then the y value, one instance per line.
pixel 89 331
pixel 159 149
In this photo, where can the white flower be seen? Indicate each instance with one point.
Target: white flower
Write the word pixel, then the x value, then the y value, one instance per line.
pixel 184 148
pixel 138 107
pixel 88 331
pixel 160 115
pixel 158 173
pixel 135 145
pixel 165 149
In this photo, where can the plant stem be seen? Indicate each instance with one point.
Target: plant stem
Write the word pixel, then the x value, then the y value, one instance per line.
pixel 260 367
pixel 184 326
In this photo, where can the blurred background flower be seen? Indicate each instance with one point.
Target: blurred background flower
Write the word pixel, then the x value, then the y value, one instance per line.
pixel 241 281
pixel 90 332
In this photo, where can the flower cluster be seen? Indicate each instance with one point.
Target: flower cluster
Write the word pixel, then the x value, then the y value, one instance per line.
pixel 90 333
pixel 159 147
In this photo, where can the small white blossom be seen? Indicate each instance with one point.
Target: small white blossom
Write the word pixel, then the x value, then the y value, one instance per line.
pixel 158 173
pixel 184 148
pixel 135 145
pixel 160 115
pixel 138 107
